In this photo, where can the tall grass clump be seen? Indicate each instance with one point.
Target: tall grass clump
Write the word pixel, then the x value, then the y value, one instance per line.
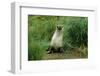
pixel 36 51
pixel 40 31
pixel 76 32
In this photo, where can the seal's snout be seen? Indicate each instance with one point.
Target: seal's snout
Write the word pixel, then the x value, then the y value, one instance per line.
pixel 59 27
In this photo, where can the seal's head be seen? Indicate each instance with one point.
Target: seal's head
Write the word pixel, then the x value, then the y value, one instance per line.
pixel 59 27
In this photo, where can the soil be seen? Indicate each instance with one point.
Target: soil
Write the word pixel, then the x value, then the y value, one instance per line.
pixel 65 55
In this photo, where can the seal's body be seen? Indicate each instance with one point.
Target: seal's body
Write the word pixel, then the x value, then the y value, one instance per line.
pixel 57 40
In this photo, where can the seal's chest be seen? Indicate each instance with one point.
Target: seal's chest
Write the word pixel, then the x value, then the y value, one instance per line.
pixel 57 39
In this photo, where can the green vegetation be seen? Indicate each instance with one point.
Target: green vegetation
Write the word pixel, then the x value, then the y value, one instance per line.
pixel 41 29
